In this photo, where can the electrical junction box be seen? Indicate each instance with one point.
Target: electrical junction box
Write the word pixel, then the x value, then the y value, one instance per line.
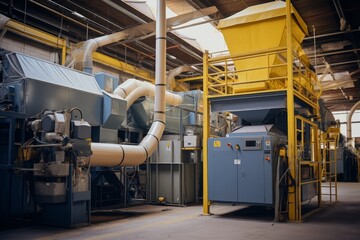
pixel 191 141
pixel 81 129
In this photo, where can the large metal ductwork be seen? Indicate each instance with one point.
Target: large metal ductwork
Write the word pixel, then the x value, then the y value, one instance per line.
pixel 348 124
pixel 111 155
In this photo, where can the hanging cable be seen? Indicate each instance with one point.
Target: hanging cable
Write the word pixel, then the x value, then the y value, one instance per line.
pixel 59 35
pixel 314 34
pixel 24 22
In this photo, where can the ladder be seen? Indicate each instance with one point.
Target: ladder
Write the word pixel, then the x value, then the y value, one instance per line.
pixel 329 145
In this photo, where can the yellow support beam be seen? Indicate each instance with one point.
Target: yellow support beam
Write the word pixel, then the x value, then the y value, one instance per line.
pixel 206 133
pixel 190 79
pixel 39 36
pixel 293 204
pixel 54 41
pixel 123 66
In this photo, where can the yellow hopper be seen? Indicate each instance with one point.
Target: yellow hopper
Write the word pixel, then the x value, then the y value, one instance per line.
pixel 259 29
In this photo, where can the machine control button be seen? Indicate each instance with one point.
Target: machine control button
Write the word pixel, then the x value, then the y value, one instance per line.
pixel 229 145
pixel 267 158
pixel 237 147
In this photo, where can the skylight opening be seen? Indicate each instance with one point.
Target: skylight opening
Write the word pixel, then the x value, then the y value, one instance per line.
pixel 203 36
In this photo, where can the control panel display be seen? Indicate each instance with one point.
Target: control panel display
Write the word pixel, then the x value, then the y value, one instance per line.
pixel 253 144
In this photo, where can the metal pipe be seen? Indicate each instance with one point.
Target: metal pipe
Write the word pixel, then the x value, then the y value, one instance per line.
pixel 132 89
pixel 91 45
pixel 148 89
pixel 348 125
pixel 339 63
pixel 174 72
pixel 83 56
pixel 111 155
pixel 124 11
pixel 158 126
pixel 326 71
pixel 334 53
pixel 94 14
pixel 68 18
pixel 332 34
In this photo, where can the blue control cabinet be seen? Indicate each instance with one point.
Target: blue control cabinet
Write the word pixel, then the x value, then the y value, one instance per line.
pixel 242 166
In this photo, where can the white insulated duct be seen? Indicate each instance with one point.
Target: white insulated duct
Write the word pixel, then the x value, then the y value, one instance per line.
pixel 147 89
pixel 174 72
pixel 83 56
pixel 326 71
pixel 110 155
pixel 132 89
pixel 348 122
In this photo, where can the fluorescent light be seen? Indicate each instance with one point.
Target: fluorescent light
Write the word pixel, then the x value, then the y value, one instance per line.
pixel 78 14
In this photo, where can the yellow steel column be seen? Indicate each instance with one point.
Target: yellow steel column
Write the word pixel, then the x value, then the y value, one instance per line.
pixel 317 147
pixel 292 205
pixel 63 55
pixel 206 123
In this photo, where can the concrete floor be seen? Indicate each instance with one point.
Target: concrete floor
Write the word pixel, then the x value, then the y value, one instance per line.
pixel 340 221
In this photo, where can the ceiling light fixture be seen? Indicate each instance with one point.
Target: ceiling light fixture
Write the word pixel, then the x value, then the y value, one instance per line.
pixel 78 14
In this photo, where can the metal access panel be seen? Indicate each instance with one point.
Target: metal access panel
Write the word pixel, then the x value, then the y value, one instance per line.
pixel 170 176
pixel 241 170
pixel 223 173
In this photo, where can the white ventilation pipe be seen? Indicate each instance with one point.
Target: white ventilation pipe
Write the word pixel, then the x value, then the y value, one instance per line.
pixel 111 155
pixel 326 71
pixel 132 89
pixel 348 122
pixel 83 56
pixel 126 87
pixel 147 89
pixel 174 72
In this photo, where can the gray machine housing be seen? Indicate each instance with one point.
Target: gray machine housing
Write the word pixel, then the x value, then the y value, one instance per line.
pixel 39 85
pixel 172 173
pixel 242 165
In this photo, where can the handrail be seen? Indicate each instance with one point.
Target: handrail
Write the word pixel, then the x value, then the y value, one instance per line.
pixel 221 80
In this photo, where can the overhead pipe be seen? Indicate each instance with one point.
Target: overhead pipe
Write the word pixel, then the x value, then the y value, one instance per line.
pixel 147 89
pixel 332 34
pixel 326 71
pixel 174 72
pixel 348 124
pixel 83 55
pixel 132 89
pixel 111 155
pixel 334 53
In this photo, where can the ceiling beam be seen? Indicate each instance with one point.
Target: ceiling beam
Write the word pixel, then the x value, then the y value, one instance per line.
pixel 331 34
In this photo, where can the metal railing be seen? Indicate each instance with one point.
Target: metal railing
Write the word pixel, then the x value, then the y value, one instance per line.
pixel 261 71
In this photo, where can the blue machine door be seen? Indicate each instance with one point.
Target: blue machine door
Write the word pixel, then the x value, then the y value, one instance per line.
pixel 251 177
pixel 222 172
